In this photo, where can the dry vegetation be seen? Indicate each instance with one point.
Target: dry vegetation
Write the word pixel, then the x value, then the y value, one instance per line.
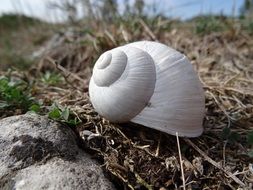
pixel 136 157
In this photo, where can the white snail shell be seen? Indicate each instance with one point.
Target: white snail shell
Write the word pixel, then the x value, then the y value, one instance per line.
pixel 150 84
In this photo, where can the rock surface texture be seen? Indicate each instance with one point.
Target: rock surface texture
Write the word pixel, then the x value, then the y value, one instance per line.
pixel 38 153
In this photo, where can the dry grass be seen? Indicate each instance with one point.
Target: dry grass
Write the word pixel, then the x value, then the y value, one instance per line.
pixel 141 158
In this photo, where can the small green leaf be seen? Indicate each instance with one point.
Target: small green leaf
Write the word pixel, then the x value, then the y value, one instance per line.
pixel 3 83
pixel 54 114
pixel 74 122
pixel 50 78
pixel 35 108
pixel 65 114
pixel 15 93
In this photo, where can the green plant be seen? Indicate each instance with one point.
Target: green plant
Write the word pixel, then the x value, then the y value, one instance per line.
pixel 63 114
pixel 51 78
pixel 15 95
pixel 208 24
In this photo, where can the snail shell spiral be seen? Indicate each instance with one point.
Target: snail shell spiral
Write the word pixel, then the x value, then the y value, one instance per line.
pixel 150 84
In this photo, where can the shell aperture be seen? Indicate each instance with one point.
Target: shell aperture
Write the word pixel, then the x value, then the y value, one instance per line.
pixel 157 88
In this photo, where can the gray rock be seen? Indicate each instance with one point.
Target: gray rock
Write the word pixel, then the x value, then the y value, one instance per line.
pixel 38 153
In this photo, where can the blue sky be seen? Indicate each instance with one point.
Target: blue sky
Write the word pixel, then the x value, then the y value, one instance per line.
pixel 187 8
pixel 183 9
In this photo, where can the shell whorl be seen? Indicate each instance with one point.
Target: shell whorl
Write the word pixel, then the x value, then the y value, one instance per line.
pixel 109 67
pixel 150 84
pixel 117 75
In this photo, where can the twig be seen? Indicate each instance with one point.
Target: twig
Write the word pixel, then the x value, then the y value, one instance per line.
pixel 181 162
pixel 110 36
pixel 217 88
pixel 66 73
pixel 228 126
pixel 158 145
pixel 224 152
pixel 230 79
pixel 117 174
pixel 142 181
pixel 124 34
pixel 150 33
pixel 143 148
pixel 211 161
pixel 222 109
